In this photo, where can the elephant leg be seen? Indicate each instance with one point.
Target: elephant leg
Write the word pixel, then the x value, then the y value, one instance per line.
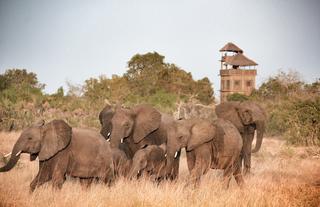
pixel 60 165
pixel 38 181
pixel 109 176
pixel 202 163
pixel 58 179
pixel 86 182
pixel 246 152
pixel 237 173
pixel 191 159
pixel 42 177
pixel 227 174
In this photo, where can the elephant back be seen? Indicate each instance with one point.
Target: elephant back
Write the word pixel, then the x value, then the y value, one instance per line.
pixel 227 111
pixel 91 154
pixel 230 138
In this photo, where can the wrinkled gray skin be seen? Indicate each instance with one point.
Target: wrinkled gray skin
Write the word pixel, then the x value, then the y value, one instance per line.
pixel 215 145
pixel 122 163
pixel 64 151
pixel 135 128
pixel 148 161
pixel 248 117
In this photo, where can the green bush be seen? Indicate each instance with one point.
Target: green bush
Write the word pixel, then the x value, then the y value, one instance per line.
pixel 293 108
pixel 237 97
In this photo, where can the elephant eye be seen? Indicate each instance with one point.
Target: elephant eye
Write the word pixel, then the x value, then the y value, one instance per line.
pixel 29 138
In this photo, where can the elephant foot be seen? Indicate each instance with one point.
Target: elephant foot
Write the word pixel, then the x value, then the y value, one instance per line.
pixel 240 181
pixel 248 175
pixel 192 183
pixel 247 172
pixel 31 190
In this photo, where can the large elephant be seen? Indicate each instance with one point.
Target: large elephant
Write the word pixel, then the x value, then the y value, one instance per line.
pixel 63 151
pixel 148 161
pixel 247 116
pixel 215 145
pixel 134 128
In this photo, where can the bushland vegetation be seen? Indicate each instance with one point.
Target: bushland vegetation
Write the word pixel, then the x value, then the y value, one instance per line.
pixel 293 106
pixel 283 176
pixel 148 79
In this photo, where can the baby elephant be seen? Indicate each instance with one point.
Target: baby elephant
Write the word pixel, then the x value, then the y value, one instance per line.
pixel 148 161
pixel 63 151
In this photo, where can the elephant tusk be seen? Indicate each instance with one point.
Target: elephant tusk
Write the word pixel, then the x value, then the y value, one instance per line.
pixel 176 154
pixel 165 155
pixel 18 153
pixel 108 135
pixel 108 140
pixel 121 140
pixel 7 155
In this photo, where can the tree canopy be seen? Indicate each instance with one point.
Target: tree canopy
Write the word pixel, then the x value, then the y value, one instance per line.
pixel 148 75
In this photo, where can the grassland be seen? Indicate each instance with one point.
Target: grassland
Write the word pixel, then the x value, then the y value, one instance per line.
pixel 283 176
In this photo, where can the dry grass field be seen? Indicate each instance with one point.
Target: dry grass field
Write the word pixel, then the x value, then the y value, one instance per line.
pixel 283 176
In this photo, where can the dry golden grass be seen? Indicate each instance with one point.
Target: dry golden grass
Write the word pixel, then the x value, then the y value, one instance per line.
pixel 283 176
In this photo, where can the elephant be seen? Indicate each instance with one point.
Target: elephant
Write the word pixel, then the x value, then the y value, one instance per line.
pixel 209 144
pixel 122 163
pixel 63 151
pixel 148 161
pixel 134 128
pixel 247 116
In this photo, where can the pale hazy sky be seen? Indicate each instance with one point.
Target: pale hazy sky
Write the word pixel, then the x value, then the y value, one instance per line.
pixel 74 40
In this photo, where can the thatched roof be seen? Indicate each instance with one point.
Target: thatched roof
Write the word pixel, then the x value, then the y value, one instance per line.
pixel 230 47
pixel 238 60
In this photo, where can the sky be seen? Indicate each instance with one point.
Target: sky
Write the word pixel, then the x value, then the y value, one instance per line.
pixel 73 40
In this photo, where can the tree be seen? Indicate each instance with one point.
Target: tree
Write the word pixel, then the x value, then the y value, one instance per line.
pixel 148 74
pixel 282 84
pixel 18 84
pixel 142 73
pixel 205 91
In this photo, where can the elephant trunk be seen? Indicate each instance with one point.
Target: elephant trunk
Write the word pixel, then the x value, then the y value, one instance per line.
pixel 115 138
pixel 169 164
pixel 15 156
pixel 260 126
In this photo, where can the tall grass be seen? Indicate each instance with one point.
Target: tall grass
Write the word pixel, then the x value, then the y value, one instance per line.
pixel 283 176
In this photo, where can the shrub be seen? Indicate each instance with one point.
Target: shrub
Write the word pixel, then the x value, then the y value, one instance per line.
pixel 237 97
pixel 293 108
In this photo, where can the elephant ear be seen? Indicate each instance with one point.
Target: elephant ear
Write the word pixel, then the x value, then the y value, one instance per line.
pixel 147 119
pixel 106 114
pixel 201 132
pixel 56 135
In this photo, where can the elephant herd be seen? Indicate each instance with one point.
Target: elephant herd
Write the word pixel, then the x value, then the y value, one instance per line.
pixel 141 141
